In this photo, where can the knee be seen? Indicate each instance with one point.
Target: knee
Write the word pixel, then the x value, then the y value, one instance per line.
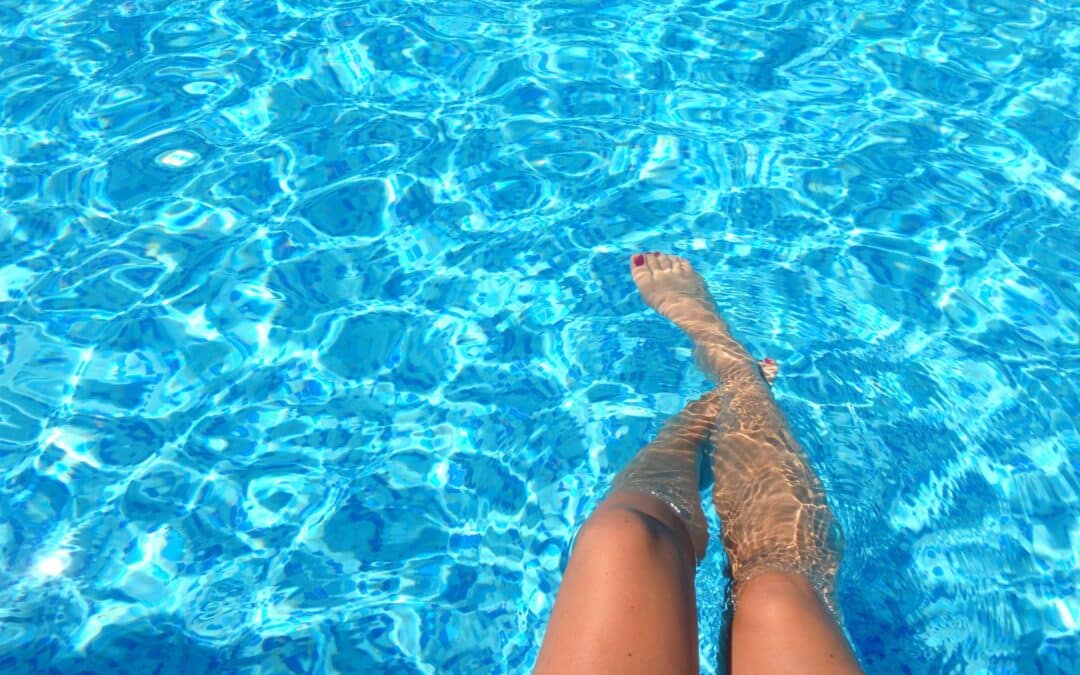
pixel 625 530
pixel 776 598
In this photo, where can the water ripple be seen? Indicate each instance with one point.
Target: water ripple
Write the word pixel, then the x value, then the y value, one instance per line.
pixel 316 342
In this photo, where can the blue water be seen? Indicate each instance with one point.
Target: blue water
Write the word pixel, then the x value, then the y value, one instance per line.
pixel 317 341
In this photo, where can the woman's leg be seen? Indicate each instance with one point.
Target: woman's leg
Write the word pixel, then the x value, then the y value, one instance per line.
pixel 781 625
pixel 780 536
pixel 626 602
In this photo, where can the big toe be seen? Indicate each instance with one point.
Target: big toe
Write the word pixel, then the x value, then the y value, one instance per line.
pixel 643 264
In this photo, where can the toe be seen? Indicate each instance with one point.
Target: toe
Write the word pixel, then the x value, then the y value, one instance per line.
pixel 642 266
pixel 663 261
pixel 769 369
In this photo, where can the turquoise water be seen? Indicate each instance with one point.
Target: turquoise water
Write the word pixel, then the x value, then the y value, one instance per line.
pixel 317 341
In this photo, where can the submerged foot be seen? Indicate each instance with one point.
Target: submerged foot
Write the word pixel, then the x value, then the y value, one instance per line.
pixel 670 285
pixel 769 368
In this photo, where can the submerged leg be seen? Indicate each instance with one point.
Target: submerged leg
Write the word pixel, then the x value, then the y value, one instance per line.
pixel 776 524
pixel 667 468
pixel 626 602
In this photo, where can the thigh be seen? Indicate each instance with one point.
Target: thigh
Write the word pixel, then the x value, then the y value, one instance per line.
pixel 626 602
pixel 781 626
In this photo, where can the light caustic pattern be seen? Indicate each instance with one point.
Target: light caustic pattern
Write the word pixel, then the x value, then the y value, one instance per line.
pixel 317 342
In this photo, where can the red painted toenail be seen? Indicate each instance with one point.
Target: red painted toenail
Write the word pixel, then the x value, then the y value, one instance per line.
pixel 769 361
pixel 639 260
pixel 656 252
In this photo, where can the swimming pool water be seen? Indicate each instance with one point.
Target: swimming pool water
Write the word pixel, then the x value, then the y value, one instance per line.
pixel 317 341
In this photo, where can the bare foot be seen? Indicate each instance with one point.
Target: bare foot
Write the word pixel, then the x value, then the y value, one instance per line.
pixel 769 368
pixel 670 285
